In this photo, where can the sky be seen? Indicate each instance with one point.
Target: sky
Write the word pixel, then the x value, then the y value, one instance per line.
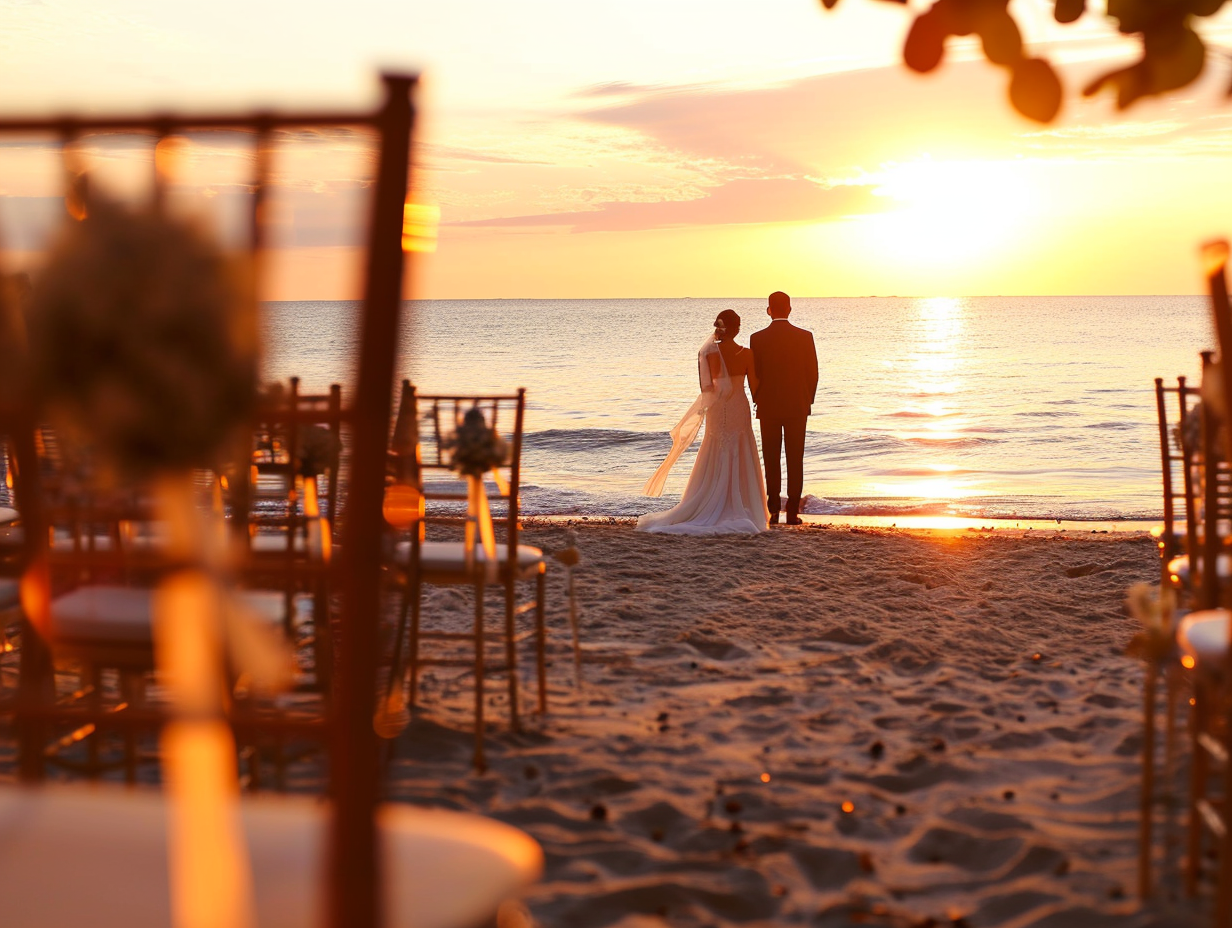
pixel 644 148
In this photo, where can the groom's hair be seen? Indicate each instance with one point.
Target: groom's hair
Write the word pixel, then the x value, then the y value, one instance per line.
pixel 780 305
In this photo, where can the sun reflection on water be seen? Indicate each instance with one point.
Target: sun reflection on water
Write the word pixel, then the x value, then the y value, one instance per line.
pixel 931 417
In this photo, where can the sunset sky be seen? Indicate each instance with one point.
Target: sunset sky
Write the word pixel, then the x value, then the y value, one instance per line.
pixel 658 147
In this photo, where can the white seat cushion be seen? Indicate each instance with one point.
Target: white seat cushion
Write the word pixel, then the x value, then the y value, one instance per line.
pixel 270 606
pixel 1179 567
pixel 8 515
pixel 10 594
pixel 124 615
pixel 1204 635
pixel 136 536
pixel 445 488
pixel 316 545
pixel 450 556
pixel 118 614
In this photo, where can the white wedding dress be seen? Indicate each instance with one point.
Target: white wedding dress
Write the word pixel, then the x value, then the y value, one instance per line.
pixel 726 492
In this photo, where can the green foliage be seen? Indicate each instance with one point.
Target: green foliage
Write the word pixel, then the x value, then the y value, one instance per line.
pixel 1173 54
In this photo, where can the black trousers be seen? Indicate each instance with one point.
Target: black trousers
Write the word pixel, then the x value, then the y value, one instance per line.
pixel 777 436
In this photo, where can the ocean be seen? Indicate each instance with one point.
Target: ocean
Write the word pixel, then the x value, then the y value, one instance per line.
pixel 984 407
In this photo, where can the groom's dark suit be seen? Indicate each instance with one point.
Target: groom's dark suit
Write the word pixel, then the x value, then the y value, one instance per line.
pixel 785 360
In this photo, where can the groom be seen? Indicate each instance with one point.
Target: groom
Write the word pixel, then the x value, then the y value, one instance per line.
pixel 785 360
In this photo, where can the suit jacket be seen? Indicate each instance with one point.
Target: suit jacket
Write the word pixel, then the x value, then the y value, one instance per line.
pixel 786 363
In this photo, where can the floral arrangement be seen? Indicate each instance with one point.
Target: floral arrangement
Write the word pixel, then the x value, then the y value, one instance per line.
pixel 476 446
pixel 141 345
pixel 317 448
pixel 1156 641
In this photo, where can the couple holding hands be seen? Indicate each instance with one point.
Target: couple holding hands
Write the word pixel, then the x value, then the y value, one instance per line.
pixel 726 492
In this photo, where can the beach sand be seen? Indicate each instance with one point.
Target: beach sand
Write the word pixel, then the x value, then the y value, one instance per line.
pixel 966 693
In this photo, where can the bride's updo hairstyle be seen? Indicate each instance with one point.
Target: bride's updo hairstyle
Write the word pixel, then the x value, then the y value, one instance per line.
pixel 726 325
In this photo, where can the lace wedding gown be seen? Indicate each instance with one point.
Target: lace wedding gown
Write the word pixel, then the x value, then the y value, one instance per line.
pixel 726 492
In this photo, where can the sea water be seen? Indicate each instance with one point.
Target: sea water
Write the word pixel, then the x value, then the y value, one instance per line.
pixel 990 407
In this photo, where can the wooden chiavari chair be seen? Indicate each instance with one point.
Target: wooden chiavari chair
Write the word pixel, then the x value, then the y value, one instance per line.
pixel 1178 454
pixel 427 424
pixel 291 515
pixel 353 867
pixel 1203 636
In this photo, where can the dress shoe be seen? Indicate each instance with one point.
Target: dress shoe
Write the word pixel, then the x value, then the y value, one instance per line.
pixel 794 520
pixel 774 518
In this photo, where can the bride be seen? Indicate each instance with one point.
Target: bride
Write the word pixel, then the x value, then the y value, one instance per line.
pixel 726 492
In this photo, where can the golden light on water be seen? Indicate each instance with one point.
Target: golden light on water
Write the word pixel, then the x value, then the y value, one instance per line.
pixel 928 488
pixel 930 416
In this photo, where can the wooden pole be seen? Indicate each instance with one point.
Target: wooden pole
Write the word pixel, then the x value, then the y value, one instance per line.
pixel 354 865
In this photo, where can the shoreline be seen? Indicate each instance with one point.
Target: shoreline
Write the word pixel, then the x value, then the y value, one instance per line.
pixel 929 525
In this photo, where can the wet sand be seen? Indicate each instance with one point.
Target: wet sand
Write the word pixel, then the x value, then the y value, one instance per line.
pixel 819 726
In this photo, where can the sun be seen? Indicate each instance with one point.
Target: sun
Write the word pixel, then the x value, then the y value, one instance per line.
pixel 947 214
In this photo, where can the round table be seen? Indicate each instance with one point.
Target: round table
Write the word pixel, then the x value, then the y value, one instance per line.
pixel 97 856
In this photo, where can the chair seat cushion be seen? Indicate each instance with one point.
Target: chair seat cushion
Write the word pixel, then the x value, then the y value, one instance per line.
pixel 125 615
pixel 315 545
pixel 1179 567
pixel 10 594
pixel 1203 635
pixel 450 556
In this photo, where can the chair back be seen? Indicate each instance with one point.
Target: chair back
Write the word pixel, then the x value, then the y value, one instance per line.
pixel 422 453
pixel 292 478
pixel 1178 447
pixel 353 867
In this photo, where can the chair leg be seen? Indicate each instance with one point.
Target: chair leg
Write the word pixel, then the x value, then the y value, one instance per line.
pixel 511 652
pixel 36 688
pixel 1197 789
pixel 128 692
pixel 480 761
pixel 396 667
pixel 322 637
pixel 1146 809
pixel 95 677
pixel 414 590
pixel 541 639
pixel 1169 840
pixel 1223 897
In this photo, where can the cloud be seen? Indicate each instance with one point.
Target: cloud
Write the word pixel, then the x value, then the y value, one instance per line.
pixel 829 123
pixel 835 125
pixel 736 202
pixel 616 89
pixel 467 154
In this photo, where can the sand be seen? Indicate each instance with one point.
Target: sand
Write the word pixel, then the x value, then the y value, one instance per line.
pixel 821 726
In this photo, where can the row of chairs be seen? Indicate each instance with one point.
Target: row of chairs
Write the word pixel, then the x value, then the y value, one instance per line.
pixel 104 557
pixel 1195 546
